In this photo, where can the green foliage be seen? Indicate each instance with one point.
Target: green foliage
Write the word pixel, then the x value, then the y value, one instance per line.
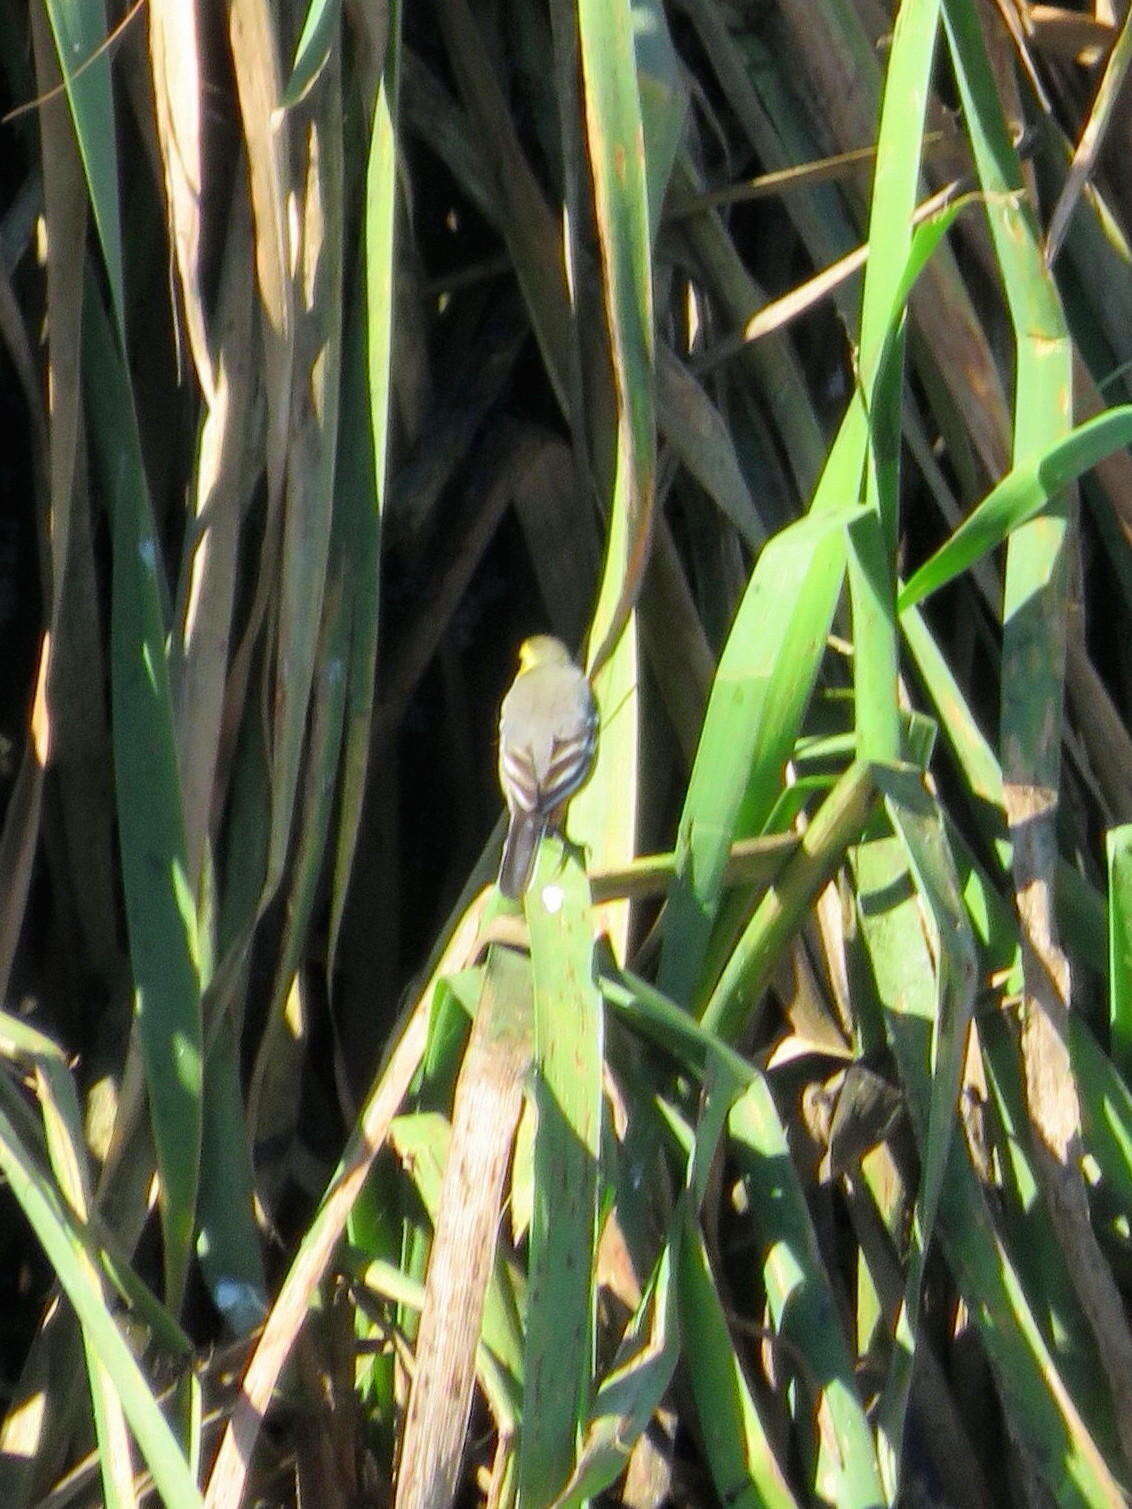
pixel 778 1148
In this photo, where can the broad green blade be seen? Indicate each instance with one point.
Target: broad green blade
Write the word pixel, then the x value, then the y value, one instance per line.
pixel 160 904
pixel 558 1369
pixel 740 1456
pixel 606 813
pixel 760 693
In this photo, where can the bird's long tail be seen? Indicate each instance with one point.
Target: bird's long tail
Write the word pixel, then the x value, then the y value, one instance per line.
pixel 524 832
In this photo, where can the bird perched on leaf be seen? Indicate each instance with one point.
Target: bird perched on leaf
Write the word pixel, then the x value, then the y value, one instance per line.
pixel 547 742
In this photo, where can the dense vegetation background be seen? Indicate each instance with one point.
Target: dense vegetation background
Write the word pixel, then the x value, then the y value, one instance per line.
pixel 777 356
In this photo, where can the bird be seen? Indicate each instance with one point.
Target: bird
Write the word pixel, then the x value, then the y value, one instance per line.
pixel 548 727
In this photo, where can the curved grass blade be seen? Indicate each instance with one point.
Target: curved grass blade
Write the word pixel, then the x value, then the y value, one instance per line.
pixel 313 49
pixel 1037 600
pixel 773 658
pixel 63 1129
pixel 616 141
pixel 70 1259
pixel 1021 494
pixel 759 695
pixel 606 811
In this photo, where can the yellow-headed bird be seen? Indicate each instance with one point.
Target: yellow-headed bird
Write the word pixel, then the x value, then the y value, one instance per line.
pixel 547 742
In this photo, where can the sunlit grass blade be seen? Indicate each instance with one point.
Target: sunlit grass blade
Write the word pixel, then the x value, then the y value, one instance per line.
pixel 1029 1237
pixel 873 540
pixel 801 1300
pixel 232 1464
pixel 423 1140
pixel 632 1390
pixel 607 810
pixel 945 973
pixel 266 134
pixel 776 656
pixel 63 1130
pixel 223 479
pixel 971 750
pixel 737 994
pixel 1037 598
pixel 1119 844
pixel 175 62
pixel 760 693
pixel 1106 1108
pixel 70 1260
pixel 313 48
pixel 568 1043
pixel 1021 494
pixel 1048 1422
pixel 798 1288
pixel 741 1458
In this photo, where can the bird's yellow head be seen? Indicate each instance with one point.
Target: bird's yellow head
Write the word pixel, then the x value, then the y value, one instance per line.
pixel 543 649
